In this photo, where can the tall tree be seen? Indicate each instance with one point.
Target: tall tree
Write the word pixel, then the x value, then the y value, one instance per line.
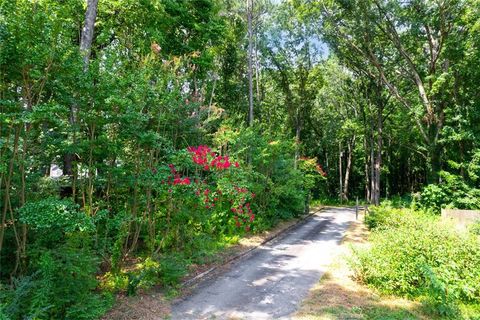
pixel 250 7
pixel 293 54
pixel 85 51
pixel 406 47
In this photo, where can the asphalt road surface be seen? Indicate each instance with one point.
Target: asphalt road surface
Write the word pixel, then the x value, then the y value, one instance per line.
pixel 271 281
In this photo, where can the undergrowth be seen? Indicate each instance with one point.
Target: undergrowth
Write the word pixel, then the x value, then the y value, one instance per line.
pixel 416 255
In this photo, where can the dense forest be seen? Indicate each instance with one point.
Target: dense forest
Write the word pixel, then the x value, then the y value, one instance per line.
pixel 138 137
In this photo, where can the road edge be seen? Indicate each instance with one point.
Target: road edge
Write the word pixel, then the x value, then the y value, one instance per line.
pixel 204 275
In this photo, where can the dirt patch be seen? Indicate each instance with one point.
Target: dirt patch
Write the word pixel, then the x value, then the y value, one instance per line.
pixel 338 296
pixel 142 307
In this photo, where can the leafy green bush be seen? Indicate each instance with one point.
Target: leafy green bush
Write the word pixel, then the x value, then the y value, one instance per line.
pixel 60 281
pixel 380 216
pixel 414 254
pixel 432 198
pixel 452 192
pixel 51 219
pixel 62 287
pixel 172 269
pixel 404 201
pixel 281 189
pixel 167 272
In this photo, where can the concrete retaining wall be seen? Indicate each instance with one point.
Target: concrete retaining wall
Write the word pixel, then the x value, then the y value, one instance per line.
pixel 462 218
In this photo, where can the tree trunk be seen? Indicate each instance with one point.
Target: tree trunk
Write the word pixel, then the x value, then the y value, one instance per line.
pixel 85 50
pixel 350 146
pixel 367 175
pixel 8 181
pixel 250 61
pixel 435 163
pixel 340 171
pixel 372 168
pixel 87 31
pixel 378 158
pixel 298 131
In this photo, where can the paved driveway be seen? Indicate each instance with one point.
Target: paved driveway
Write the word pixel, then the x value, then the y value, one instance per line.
pixel 271 281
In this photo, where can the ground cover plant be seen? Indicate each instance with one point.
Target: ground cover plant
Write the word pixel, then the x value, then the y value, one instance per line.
pixel 414 254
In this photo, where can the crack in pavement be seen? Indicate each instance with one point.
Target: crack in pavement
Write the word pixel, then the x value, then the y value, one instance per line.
pixel 270 282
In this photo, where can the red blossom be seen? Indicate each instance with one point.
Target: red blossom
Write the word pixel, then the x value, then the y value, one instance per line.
pixel 184 181
pixel 172 169
pixel 199 154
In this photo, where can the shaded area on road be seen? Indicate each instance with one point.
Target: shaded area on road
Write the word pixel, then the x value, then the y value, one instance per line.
pixel 272 280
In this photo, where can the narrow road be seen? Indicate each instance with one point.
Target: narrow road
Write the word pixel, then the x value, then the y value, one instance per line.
pixel 273 279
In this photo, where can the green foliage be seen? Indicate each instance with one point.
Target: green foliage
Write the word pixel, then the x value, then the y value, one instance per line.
pixel 382 216
pixel 416 255
pixel 475 228
pixel 51 214
pixel 281 190
pixel 163 75
pixel 453 192
pixel 62 286
pixel 172 269
pixel 433 196
pixel 166 270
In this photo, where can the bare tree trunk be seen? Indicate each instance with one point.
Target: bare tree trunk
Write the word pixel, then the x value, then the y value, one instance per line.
pixel 298 130
pixel 8 181
pixel 372 165
pixel 378 158
pixel 85 50
pixel 367 175
pixel 211 96
pixel 340 171
pixel 351 146
pixel 87 31
pixel 250 61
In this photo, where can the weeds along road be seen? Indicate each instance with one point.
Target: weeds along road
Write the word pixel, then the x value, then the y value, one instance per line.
pixel 271 281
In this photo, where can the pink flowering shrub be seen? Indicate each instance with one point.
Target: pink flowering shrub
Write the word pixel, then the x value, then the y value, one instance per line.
pixel 204 192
